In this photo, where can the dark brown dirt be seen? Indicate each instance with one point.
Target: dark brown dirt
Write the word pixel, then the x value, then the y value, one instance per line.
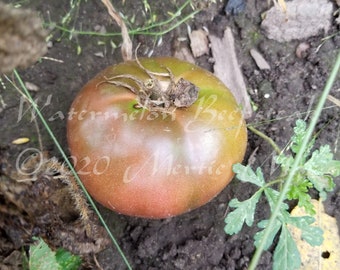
pixel 195 240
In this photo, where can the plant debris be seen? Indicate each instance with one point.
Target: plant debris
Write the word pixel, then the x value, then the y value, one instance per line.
pixel 36 202
pixel 259 59
pixel 227 69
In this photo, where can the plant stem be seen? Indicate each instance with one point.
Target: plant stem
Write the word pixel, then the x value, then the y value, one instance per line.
pixel 266 138
pixel 297 160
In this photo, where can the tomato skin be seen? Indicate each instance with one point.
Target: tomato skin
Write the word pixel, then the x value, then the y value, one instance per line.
pixel 150 163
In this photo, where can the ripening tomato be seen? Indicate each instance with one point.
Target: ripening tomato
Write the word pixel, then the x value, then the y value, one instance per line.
pixel 148 158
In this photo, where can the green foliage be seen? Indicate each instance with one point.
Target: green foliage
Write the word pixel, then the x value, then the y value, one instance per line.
pixel 299 134
pixel 286 255
pixel 316 170
pixel 244 213
pixel 152 26
pixel 66 260
pixel 42 257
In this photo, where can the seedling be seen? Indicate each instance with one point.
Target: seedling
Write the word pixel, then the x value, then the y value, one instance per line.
pixel 316 170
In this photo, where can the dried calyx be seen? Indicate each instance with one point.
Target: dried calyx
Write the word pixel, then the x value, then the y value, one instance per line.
pixel 161 92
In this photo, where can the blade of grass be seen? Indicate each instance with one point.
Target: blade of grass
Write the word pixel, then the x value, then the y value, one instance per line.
pixel 54 139
pixel 298 158
pixel 138 31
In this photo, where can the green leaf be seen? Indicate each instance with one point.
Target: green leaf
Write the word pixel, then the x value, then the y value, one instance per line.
pixel 246 174
pixel 299 134
pixel 304 200
pixel 297 138
pixel 323 184
pixel 272 195
pixel 322 162
pixel 286 254
pixel 286 162
pixel 259 235
pixel 298 190
pixel 42 257
pixel 244 213
pixel 311 234
pixel 67 261
pixel 321 168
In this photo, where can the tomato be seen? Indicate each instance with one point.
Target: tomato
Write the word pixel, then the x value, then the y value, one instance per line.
pixel 154 162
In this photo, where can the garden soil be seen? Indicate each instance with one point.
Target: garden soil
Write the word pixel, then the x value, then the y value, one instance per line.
pixel 289 90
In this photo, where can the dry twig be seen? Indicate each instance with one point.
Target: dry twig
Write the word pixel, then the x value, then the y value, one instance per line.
pixel 127 43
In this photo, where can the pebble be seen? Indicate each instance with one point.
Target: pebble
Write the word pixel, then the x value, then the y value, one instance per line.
pixel 303 19
pixel 259 59
pixel 99 54
pixel 235 7
pixel 302 50
pixel 31 87
pixel 199 42
pixel 100 29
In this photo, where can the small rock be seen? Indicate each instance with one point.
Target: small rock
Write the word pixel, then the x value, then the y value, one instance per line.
pixel 31 87
pixel 302 50
pixel 99 54
pixel 136 232
pixel 49 44
pixel 199 42
pixel 302 19
pixel 100 29
pixel 235 253
pixel 235 7
pixel 259 59
pixel 265 88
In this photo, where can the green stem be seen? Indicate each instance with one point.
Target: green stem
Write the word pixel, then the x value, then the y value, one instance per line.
pixel 54 139
pixel 138 31
pixel 278 180
pixel 298 158
pixel 266 138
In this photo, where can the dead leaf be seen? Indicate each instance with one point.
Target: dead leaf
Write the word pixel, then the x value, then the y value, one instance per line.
pixel 127 43
pixel 21 140
pixel 334 100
